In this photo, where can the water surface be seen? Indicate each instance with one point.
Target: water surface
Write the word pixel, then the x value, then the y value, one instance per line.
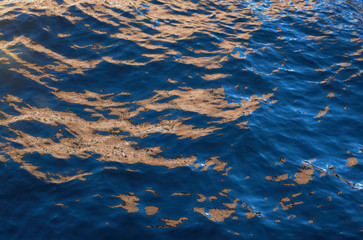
pixel 155 119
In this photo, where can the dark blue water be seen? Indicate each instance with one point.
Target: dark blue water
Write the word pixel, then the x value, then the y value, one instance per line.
pixel 155 119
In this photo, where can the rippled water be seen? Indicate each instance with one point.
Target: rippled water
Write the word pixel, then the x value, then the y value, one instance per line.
pixel 183 119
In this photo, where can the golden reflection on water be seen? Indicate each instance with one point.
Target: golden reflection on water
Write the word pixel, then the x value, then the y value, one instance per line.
pixel 86 140
pixel 175 26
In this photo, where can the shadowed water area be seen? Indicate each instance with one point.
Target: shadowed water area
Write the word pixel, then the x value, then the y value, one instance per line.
pixel 181 119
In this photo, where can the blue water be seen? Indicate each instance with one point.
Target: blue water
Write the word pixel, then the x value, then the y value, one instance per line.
pixel 155 119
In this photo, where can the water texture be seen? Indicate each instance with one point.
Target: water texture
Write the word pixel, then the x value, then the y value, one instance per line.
pixel 181 119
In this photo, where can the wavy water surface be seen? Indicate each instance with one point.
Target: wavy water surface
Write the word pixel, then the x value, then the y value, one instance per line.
pixel 183 119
